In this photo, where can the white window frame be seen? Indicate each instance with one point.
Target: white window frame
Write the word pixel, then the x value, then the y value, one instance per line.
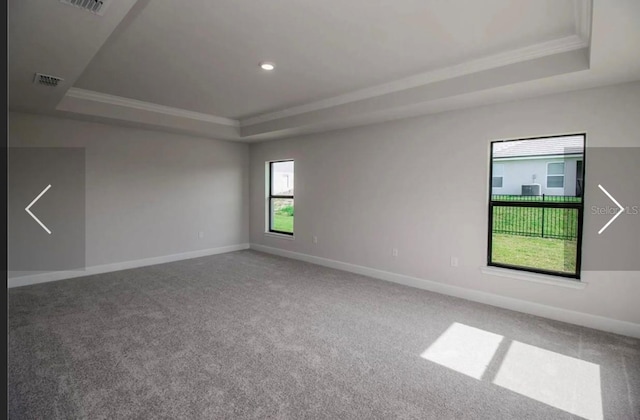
pixel 563 175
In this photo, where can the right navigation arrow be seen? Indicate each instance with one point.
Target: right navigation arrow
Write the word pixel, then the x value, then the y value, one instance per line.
pixel 620 209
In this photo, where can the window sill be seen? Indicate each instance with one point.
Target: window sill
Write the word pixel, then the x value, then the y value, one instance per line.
pixel 533 277
pixel 280 235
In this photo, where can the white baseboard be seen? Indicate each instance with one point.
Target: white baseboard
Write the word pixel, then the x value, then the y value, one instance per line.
pixel 106 268
pixel 573 317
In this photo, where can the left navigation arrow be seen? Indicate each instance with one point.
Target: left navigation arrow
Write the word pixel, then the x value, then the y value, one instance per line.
pixel 33 215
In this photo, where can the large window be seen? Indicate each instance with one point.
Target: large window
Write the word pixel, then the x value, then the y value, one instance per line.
pixel 280 201
pixel 535 227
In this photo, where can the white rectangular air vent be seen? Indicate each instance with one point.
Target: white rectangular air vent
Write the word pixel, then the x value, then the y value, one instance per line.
pixel 46 80
pixel 96 7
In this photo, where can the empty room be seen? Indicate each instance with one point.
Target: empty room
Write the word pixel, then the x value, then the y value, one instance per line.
pixel 323 209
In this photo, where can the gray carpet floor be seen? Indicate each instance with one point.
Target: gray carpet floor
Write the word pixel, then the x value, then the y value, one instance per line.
pixel 250 335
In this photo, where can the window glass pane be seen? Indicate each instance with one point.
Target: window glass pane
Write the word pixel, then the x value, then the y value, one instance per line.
pixel 537 238
pixel 556 168
pixel 281 215
pixel 282 178
pixel 536 228
pixel 555 181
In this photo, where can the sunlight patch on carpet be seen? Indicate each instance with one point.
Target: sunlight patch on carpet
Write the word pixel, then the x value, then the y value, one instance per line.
pixel 464 349
pixel 563 382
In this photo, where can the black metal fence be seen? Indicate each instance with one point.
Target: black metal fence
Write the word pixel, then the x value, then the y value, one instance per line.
pixel 541 198
pixel 532 221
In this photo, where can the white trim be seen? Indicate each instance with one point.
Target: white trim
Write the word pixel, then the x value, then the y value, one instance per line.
pixel 90 95
pixel 579 318
pixel 280 235
pixel 106 268
pixel 583 10
pixel 534 277
pixel 579 40
pixel 556 46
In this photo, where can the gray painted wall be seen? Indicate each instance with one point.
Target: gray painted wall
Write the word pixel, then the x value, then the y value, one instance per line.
pixel 361 191
pixel 421 185
pixel 149 193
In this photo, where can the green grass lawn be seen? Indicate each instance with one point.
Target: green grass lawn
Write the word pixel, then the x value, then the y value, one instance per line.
pixel 282 223
pixel 541 253
pixel 534 237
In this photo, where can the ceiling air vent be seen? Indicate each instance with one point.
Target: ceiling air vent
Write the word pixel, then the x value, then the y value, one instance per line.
pixel 46 80
pixel 96 7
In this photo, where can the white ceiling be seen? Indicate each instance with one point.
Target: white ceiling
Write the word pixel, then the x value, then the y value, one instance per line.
pixel 193 66
pixel 49 37
pixel 203 55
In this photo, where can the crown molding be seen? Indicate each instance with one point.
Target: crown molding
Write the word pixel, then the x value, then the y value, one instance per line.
pixel 583 14
pixel 104 98
pixel 566 44
pixel 577 41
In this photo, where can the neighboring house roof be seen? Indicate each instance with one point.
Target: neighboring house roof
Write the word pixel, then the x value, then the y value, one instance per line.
pixel 552 146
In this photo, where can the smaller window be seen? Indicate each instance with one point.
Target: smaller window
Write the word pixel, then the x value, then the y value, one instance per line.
pixel 497 176
pixel 555 175
pixel 280 204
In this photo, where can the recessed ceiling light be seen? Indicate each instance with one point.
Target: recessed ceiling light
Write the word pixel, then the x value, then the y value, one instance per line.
pixel 267 66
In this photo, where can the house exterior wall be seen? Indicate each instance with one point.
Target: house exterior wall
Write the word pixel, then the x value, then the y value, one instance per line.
pixel 283 182
pixel 518 172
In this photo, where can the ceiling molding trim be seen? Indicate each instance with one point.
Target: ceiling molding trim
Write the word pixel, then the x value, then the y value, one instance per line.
pixel 583 15
pixel 104 98
pixel 566 44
